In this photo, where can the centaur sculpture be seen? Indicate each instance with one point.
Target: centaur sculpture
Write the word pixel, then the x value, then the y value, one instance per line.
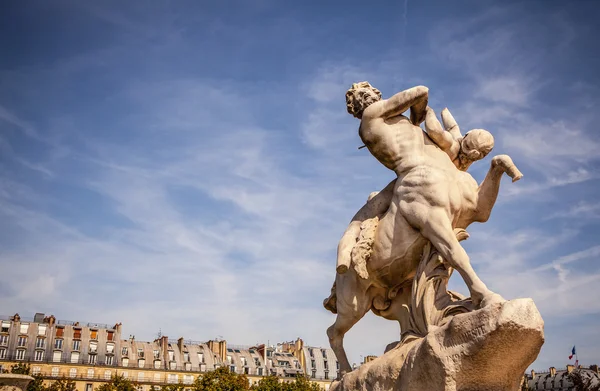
pixel 432 200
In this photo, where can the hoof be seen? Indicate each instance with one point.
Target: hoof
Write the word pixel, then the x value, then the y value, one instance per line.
pixel 490 299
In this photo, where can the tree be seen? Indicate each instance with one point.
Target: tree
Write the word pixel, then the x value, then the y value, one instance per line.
pixel 268 383
pixel 21 369
pixel 62 384
pixel 117 383
pixel 302 383
pixel 272 383
pixel 221 379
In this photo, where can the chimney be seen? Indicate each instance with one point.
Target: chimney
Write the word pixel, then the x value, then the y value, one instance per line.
pixel 570 368
pixel 180 345
pixel 595 369
pixel 532 374
pixel 164 345
pixel 552 371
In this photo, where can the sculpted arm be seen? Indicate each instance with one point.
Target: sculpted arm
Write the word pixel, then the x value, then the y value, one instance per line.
pixel 414 99
pixel 441 137
pixel 376 206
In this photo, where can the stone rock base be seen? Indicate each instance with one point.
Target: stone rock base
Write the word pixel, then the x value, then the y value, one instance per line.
pixel 487 349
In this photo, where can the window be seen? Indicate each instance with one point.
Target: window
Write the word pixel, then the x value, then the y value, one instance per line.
pixel 188 366
pixel 89 387
pixel 172 378
pixel 326 375
pixel 74 357
pixel 326 364
pixel 110 335
pixel 55 371
pixel 243 360
pixel 22 341
pixel 188 379
pixel 58 343
pixel 124 351
pixel 157 364
pixel 20 354
pixel 141 363
pixel 24 328
pixel 232 368
pixel 56 356
pixel 90 373
pixel 260 371
pixel 171 355
pixel 229 360
pixel 173 365
pixel 324 352
pixel 201 357
pixel 93 347
pixel 40 343
pixel 5 326
pixel 125 362
pixel 157 378
pixel 93 334
pixel 2 353
pixel 125 375
pixel 314 374
pixel 109 360
pixel 110 348
pixel 140 376
pixel 77 333
pixel 59 332
pixel 186 356
pixel 42 329
pixel 313 363
pixel 39 355
pixel 92 358
pixel 73 372
pixel 3 339
pixel 36 371
pixel 76 345
pixel 140 353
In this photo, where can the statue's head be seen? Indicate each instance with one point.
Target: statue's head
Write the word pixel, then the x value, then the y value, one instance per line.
pixel 475 145
pixel 360 96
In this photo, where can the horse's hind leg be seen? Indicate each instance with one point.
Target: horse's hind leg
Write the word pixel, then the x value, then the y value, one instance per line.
pixel 353 302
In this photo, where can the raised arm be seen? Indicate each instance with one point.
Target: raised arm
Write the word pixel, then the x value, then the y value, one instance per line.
pixel 414 99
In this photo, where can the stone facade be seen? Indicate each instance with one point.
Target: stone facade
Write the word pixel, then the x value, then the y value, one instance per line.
pixel 91 353
pixel 558 379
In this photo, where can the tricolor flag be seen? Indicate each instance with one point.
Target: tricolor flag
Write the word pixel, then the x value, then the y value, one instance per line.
pixel 573 353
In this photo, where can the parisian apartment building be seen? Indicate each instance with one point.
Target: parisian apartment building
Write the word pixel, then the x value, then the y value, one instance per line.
pixel 92 353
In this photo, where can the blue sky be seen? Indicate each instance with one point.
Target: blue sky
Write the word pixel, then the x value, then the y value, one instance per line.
pixel 190 166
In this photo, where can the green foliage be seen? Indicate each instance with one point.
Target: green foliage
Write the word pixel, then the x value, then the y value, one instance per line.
pixel 21 369
pixel 268 383
pixel 117 383
pixel 221 380
pixel 62 384
pixel 272 383
pixel 172 387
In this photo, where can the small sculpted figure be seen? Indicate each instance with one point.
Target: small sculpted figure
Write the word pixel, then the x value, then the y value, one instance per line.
pixel 431 199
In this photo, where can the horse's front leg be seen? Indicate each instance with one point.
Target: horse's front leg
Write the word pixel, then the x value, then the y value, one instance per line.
pixel 488 190
pixel 353 301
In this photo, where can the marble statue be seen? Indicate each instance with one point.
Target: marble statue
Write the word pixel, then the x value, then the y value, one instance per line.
pixel 399 250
